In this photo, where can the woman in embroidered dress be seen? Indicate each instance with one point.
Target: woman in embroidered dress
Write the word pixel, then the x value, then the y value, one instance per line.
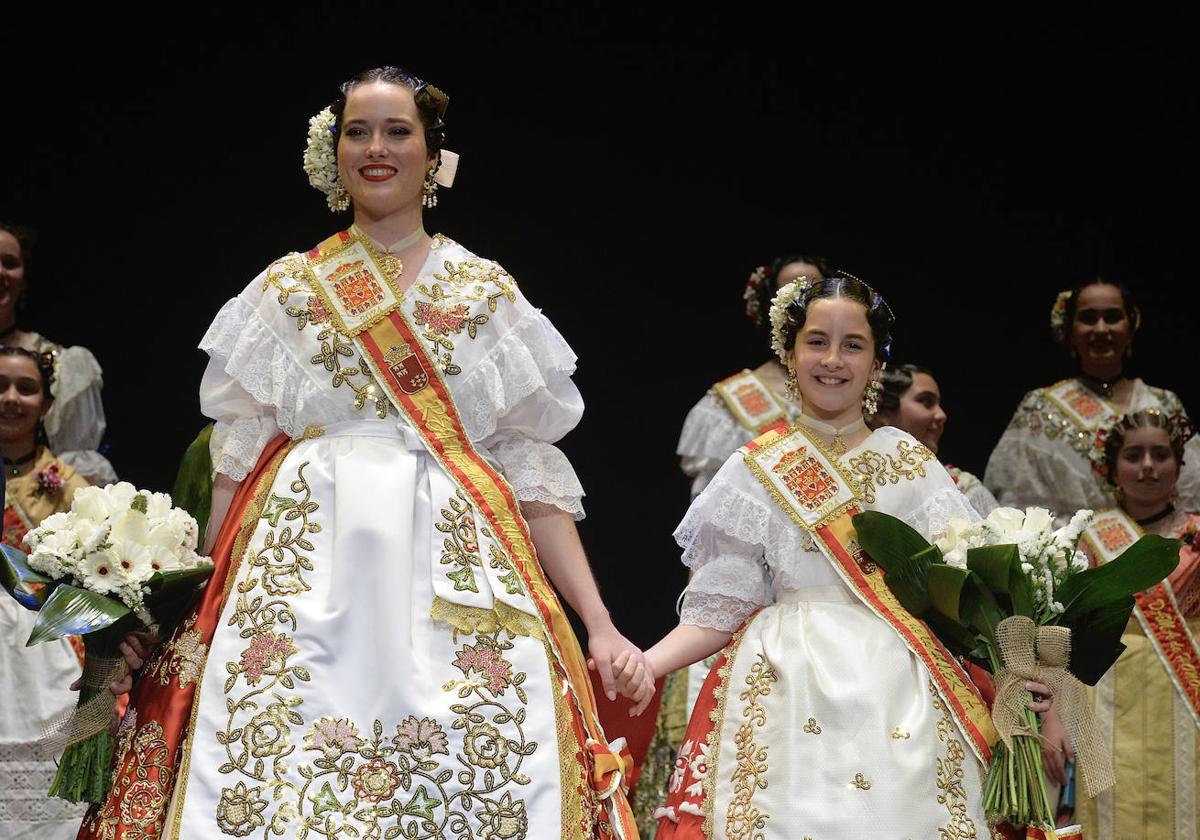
pixel 388 658
pixel 1042 459
pixel 75 424
pixel 33 680
pixel 1142 705
pixel 819 719
pixel 911 401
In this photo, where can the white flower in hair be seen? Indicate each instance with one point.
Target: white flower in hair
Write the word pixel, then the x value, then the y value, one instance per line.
pixel 320 160
pixel 784 298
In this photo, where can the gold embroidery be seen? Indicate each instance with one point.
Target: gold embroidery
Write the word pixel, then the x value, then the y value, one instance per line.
pixel 950 774
pixel 899 734
pixel 446 310
pixel 713 739
pixel 182 657
pixel 141 785
pixel 374 784
pixel 811 727
pixel 877 469
pixel 289 276
pixel 468 621
pixel 460 548
pixel 860 781
pixel 742 818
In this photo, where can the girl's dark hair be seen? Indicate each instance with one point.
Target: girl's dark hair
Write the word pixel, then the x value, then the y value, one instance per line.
pixel 26 237
pixel 431 102
pixel 1178 427
pixel 896 381
pixel 1129 304
pixel 761 287
pixel 842 285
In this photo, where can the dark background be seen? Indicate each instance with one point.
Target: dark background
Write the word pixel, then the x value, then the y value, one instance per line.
pixel 629 168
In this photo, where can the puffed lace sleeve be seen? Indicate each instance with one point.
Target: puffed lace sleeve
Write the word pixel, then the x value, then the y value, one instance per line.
pixel 75 425
pixel 253 387
pixel 518 400
pixel 938 500
pixel 725 537
pixel 710 434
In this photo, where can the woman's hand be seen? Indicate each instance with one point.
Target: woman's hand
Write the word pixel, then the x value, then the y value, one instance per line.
pixel 634 679
pixel 1042 697
pixel 1056 747
pixel 611 654
pixel 135 650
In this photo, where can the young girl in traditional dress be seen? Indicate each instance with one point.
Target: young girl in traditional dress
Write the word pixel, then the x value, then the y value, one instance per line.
pixel 831 712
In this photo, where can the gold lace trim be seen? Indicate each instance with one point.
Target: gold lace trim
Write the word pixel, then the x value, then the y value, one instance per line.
pixel 474 620
pixel 952 793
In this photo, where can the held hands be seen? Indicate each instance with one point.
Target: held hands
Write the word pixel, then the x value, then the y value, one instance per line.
pixel 622 666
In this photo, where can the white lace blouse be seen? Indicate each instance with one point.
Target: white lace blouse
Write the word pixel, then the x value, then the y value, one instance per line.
pixel 275 360
pixel 743 548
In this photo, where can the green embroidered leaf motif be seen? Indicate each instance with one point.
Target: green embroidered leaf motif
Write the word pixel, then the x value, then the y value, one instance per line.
pixel 325 801
pixel 421 804
pixel 275 508
pixel 512 583
pixel 464 580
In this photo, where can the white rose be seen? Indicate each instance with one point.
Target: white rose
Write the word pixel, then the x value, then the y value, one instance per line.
pixel 57 522
pixel 130 525
pixel 1007 522
pixel 957 531
pixel 120 495
pixel 1037 520
pixel 55 555
pixel 185 523
pixel 168 535
pixel 158 505
pixel 92 504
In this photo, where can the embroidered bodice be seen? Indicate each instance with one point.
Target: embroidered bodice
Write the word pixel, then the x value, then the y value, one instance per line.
pixel 744 549
pixel 1043 459
pixel 278 364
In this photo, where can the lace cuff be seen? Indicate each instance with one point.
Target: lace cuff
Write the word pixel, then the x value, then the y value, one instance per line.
pixel 728 509
pixel 719 612
pixel 539 472
pixel 236 445
pixel 932 519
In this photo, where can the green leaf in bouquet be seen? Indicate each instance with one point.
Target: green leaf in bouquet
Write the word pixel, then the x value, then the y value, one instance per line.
pixel 945 590
pixel 1141 566
pixel 29 587
pixel 172 592
pixel 71 611
pixel 999 569
pixel 193 482
pixel 1096 638
pixel 963 597
pixel 890 542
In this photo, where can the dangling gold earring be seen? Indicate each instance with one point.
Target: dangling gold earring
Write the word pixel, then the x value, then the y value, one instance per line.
pixel 429 190
pixel 871 394
pixel 793 387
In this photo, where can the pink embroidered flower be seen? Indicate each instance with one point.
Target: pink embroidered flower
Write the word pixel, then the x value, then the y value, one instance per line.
pixel 422 738
pixel 317 313
pixel 264 649
pixel 488 663
pixel 377 780
pixel 333 736
pixel 444 321
pixel 49 481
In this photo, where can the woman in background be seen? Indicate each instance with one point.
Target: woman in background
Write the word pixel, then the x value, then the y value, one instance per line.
pixel 33 680
pixel 912 401
pixel 75 425
pixel 1043 457
pixel 1148 704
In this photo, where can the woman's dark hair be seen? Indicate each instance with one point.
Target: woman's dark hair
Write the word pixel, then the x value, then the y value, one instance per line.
pixel 841 285
pixel 1062 331
pixel 26 237
pixel 761 287
pixel 1178 427
pixel 896 381
pixel 431 102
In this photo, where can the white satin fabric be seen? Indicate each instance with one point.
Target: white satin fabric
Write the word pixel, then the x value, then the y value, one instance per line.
pixel 832 661
pixel 33 693
pixel 1036 464
pixel 363 633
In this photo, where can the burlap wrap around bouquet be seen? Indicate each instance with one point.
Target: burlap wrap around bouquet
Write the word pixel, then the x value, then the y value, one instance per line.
pixel 1017 597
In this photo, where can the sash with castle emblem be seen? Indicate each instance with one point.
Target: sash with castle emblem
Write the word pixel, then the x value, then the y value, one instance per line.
pixel 1079 405
pixel 359 290
pixel 752 403
pixel 1109 534
pixel 821 497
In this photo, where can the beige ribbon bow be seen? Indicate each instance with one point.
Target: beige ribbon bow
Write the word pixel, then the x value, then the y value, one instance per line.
pixel 93 716
pixel 1047 664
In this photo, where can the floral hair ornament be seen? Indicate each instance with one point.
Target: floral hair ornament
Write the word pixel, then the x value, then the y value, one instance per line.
pixel 1179 429
pixel 783 301
pixel 753 293
pixel 1058 316
pixel 320 157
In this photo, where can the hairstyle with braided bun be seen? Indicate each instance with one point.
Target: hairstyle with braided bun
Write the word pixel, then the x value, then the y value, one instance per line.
pixel 895 382
pixel 1062 314
pixel 763 283
pixel 431 102
pixel 1178 427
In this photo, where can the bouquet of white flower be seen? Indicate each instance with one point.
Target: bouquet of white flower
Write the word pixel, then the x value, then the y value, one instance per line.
pixel 120 560
pixel 1016 596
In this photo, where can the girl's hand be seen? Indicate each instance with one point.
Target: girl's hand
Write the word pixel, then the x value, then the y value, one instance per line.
pixel 611 653
pixel 1056 747
pixel 1042 698
pixel 135 650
